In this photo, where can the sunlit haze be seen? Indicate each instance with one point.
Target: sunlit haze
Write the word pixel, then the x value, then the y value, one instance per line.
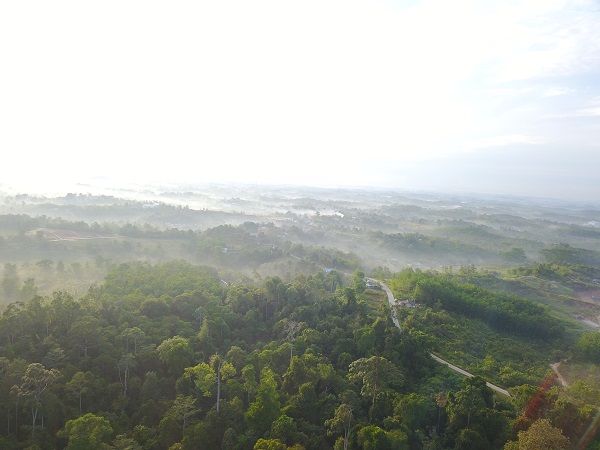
pixel 497 97
pixel 300 225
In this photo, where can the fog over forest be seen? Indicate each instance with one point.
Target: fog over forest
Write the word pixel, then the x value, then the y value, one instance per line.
pixel 248 316
pixel 276 225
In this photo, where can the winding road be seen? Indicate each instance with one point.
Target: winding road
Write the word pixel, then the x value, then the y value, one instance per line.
pixel 392 302
pixel 555 368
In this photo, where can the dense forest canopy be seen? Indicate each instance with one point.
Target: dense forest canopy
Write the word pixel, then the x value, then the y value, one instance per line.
pixel 169 356
pixel 132 324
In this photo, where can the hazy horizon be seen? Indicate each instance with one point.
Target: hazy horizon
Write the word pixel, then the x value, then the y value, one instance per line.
pixel 156 191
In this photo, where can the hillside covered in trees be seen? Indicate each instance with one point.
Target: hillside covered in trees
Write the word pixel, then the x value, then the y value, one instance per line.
pixel 170 356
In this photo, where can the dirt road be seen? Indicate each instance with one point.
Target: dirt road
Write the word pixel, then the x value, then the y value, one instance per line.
pixel 392 303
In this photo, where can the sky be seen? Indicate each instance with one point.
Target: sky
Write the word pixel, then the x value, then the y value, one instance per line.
pixel 466 96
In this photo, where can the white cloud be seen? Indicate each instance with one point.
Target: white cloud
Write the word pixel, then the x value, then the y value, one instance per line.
pixel 591 109
pixel 586 108
pixel 511 139
pixel 595 111
pixel 556 92
pixel 305 92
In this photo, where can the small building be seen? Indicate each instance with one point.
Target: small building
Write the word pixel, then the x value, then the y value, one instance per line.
pixel 371 284
pixel 410 303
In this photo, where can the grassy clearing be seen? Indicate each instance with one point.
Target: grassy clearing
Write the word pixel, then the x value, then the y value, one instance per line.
pixel 470 343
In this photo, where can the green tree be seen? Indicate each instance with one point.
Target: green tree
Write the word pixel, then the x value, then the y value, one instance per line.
pixel 469 439
pixel 541 435
pixel 266 407
pixel 284 428
pixel 269 444
pixel 122 442
pixel 223 370
pixel 80 385
pixel 88 432
pixel 183 407
pixel 414 410
pixel 469 401
pixel 341 422
pixel 133 338
pixel 84 334
pixel 34 383
pixel 203 376
pixel 291 330
pixel 358 282
pixel 237 357
pixel 124 366
pixel 372 437
pixel 376 374
pixel 209 376
pixel 175 353
pixel 249 381
pixel 588 346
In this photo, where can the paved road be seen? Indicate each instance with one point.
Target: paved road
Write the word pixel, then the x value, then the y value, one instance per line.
pixel 392 302
pixel 555 368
